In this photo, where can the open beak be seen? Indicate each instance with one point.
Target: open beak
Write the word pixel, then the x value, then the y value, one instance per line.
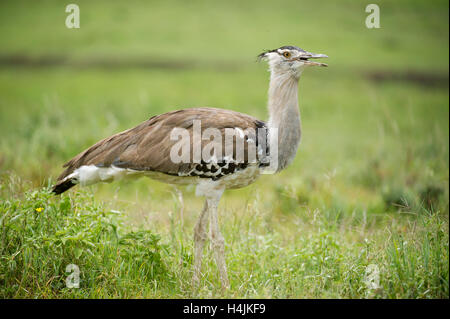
pixel 308 55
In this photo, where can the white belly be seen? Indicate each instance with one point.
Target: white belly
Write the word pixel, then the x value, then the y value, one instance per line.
pixel 91 174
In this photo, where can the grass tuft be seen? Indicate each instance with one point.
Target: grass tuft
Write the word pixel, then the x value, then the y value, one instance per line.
pixel 42 234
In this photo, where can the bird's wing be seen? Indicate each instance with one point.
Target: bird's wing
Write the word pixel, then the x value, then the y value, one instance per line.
pixel 147 146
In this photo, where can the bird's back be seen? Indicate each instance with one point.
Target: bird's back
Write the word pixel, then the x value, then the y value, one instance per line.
pixel 147 148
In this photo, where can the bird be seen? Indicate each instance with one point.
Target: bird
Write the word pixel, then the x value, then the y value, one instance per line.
pixel 172 148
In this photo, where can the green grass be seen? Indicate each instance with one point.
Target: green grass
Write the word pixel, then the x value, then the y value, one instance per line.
pixel 290 253
pixel 369 185
pixel 41 236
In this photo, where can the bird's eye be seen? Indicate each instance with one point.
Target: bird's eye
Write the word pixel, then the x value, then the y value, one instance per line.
pixel 287 54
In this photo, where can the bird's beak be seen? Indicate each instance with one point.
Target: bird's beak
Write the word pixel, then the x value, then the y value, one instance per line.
pixel 308 55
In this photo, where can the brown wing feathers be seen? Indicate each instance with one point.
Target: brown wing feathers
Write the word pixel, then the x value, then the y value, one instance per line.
pixel 147 146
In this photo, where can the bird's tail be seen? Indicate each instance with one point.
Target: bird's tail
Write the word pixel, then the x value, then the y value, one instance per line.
pixel 63 185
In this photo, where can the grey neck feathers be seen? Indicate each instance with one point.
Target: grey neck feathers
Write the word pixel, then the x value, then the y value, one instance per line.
pixel 284 115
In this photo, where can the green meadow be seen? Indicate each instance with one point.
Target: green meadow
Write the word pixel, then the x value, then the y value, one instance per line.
pixel 363 212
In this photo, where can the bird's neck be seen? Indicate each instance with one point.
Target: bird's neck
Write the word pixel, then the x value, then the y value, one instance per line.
pixel 284 115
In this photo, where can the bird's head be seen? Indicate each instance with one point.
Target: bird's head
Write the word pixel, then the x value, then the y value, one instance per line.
pixel 290 59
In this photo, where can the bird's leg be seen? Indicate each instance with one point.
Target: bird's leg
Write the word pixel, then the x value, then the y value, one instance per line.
pixel 180 199
pixel 199 241
pixel 217 240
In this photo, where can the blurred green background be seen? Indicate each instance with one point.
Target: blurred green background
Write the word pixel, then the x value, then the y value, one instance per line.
pixel 375 142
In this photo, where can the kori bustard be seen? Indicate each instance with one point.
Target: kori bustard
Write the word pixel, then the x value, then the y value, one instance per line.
pixel 152 149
